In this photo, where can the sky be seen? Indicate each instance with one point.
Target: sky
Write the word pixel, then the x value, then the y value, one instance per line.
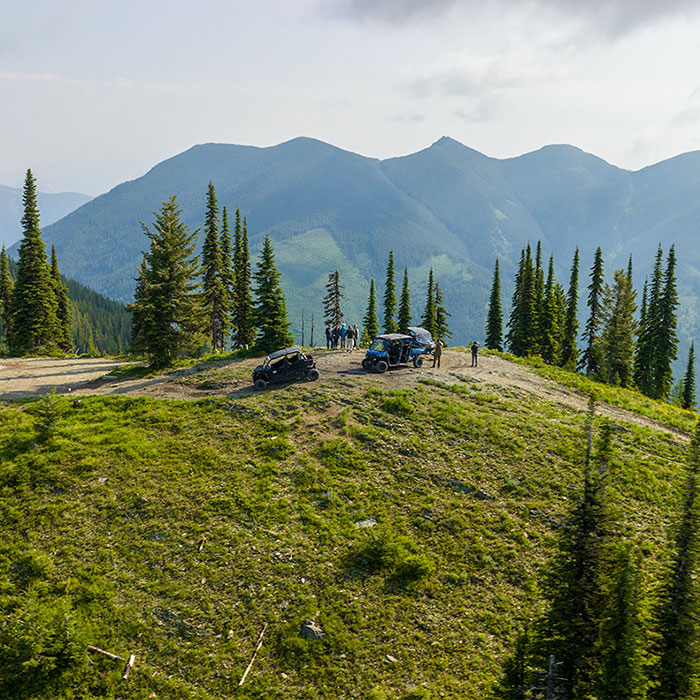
pixel 96 92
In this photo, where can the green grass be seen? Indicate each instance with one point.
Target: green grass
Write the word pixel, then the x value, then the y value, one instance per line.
pixel 176 530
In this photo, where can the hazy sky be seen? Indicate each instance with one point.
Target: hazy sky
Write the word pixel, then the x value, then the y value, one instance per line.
pixel 93 93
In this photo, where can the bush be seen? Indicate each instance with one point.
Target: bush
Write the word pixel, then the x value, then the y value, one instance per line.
pixel 397 555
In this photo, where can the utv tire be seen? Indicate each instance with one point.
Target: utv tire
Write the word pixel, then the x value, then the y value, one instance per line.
pixel 313 375
pixel 367 364
pixel 260 384
pixel 417 362
pixel 381 366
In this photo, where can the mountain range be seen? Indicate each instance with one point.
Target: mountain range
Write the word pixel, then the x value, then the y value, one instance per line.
pixel 448 207
pixel 52 206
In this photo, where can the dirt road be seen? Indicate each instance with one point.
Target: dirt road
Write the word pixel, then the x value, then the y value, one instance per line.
pixel 32 377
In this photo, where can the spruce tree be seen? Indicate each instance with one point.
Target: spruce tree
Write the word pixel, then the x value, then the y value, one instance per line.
pixel 63 337
pixel 645 356
pixel 677 675
pixel 569 350
pixel 390 325
pixel 521 324
pixel 167 308
pixel 688 394
pixel 442 331
pixel 428 319
pixel 538 303
pixel 370 321
pixel 618 330
pixel 494 320
pixel 590 358
pixel 34 327
pixel 270 305
pixel 404 320
pixel 243 313
pixel 228 277
pixel 666 340
pixel 214 297
pixel 6 286
pixel 550 331
pixel 331 302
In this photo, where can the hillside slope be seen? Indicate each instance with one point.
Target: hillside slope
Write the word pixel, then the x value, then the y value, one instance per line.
pixel 409 524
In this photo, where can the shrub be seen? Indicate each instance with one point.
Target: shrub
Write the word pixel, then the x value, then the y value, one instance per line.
pixel 397 555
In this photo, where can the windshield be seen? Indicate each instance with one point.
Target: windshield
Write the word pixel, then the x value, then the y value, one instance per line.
pixel 378 344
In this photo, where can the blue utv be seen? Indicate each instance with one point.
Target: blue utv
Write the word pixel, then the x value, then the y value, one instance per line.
pixel 393 350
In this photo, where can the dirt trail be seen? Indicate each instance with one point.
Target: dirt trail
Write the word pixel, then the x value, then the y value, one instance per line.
pixel 22 378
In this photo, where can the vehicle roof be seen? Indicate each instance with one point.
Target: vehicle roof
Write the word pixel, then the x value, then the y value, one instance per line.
pixel 419 329
pixel 394 336
pixel 286 351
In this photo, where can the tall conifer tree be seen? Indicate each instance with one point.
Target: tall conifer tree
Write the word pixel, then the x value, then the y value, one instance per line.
pixel 228 277
pixel 494 320
pixel 34 327
pixel 370 321
pixel 538 303
pixel 390 325
pixel 590 358
pixel 6 286
pixel 428 319
pixel 243 314
pixel 618 329
pixel 331 302
pixel 550 331
pixel 404 305
pixel 520 337
pixel 569 350
pixel 213 287
pixel 688 393
pixel 645 356
pixel 666 342
pixel 442 331
pixel 63 337
pixel 270 304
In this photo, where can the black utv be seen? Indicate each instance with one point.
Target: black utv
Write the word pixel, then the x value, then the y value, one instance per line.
pixel 392 350
pixel 286 365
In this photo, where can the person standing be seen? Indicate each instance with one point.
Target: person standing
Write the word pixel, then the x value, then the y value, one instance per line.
pixel 350 338
pixel 437 353
pixel 475 353
pixel 329 337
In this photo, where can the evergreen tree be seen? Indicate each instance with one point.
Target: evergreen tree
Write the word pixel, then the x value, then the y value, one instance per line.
pixel 569 350
pixel 167 308
pixel 228 277
pixel 331 302
pixel 644 359
pixel 538 303
pixel 34 327
pixel 270 305
pixel 688 394
pixel 214 297
pixel 619 327
pixel 677 674
pixel 521 325
pixel 442 332
pixel 550 331
pixel 404 305
pixel 370 321
pixel 494 320
pixel 243 313
pixel 428 319
pixel 6 286
pixel 63 337
pixel 390 325
pixel 590 358
pixel 666 340
pixel 580 575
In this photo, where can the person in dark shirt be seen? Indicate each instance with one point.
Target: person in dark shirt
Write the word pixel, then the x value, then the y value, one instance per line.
pixel 475 353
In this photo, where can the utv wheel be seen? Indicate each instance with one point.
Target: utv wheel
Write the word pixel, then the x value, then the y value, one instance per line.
pixel 381 366
pixel 313 374
pixel 260 384
pixel 367 364
pixel 417 362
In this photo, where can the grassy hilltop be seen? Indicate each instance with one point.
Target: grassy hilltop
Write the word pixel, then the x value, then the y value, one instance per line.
pixel 176 530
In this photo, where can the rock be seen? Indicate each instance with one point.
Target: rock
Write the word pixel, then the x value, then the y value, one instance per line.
pixel 101 479
pixel 367 522
pixel 483 495
pixel 391 659
pixel 310 629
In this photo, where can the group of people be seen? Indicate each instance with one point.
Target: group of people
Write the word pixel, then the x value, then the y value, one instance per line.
pixel 345 336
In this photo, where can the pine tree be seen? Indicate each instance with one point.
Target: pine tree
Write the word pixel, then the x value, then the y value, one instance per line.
pixel 521 328
pixel 569 350
pixel 688 394
pixel 270 305
pixel 6 286
pixel 331 302
pixel 63 338
pixel 228 277
pixel 428 319
pixel 370 321
pixel 590 358
pixel 619 326
pixel 404 305
pixel 677 674
pixel 442 331
pixel 494 320
pixel 34 327
pixel 214 298
pixel 550 331
pixel 390 325
pixel 538 303
pixel 167 309
pixel 666 340
pixel 243 314
pixel 644 359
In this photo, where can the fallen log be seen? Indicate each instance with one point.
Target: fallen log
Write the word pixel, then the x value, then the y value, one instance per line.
pixel 108 654
pixel 255 653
